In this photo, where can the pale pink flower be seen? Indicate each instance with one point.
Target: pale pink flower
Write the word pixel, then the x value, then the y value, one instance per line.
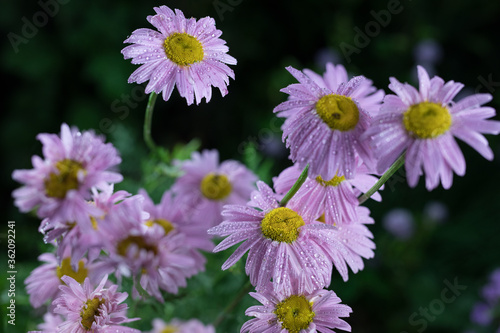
pixel 186 53
pixel 100 310
pixel 170 216
pixel 423 124
pixel 73 240
pixel 297 310
pixel 207 185
pixel 333 200
pixel 282 245
pixel 43 283
pixel 160 261
pixel 59 185
pixel 325 118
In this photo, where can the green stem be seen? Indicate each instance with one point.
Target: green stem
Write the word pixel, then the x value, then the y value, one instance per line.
pixel 245 290
pixel 302 178
pixel 147 122
pixel 392 169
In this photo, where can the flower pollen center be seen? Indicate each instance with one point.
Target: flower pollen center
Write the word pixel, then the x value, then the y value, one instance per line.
pixel 138 241
pixel 66 179
pixel 295 313
pixel 335 181
pixel 166 225
pixel 93 221
pixel 89 311
pixel 169 329
pixel 66 269
pixel 183 49
pixel 338 112
pixel 282 224
pixel 427 120
pixel 215 186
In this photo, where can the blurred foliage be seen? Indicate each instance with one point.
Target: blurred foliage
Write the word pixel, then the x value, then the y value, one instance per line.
pixel 71 70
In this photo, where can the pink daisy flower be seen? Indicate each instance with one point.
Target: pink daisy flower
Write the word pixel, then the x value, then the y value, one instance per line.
pixel 424 123
pixel 297 311
pixel 183 52
pixel 59 185
pixel 73 240
pixel 334 200
pixel 86 309
pixel 170 216
pixel 160 261
pixel 357 240
pixel 335 203
pixel 170 268
pixel 284 246
pixel 180 326
pixel 325 117
pixel 208 185
pixel 43 282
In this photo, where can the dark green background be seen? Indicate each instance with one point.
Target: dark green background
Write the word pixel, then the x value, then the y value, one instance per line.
pixel 72 71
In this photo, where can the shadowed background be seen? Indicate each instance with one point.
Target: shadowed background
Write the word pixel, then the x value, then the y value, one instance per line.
pixel 69 69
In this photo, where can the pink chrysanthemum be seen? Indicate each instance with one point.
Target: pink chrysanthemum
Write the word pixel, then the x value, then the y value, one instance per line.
pixel 424 123
pixel 357 239
pixel 208 185
pixel 284 246
pixel 334 201
pixel 171 217
pixel 180 326
pixel 73 240
pixel 160 261
pixel 298 311
pixel 43 282
pixel 183 52
pixel 86 309
pixel 325 119
pixel 170 268
pixel 59 185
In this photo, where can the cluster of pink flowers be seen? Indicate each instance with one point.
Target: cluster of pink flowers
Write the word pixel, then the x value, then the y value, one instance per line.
pixel 342 131
pixel 331 122
pixel 97 231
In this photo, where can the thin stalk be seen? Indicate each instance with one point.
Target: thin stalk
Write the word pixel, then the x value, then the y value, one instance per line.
pixel 245 290
pixel 392 169
pixel 302 178
pixel 147 122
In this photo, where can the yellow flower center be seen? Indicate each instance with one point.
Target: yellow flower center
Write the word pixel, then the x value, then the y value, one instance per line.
pixel 427 120
pixel 169 329
pixel 89 311
pixel 335 181
pixel 215 187
pixel 93 221
pixel 66 269
pixel 295 313
pixel 183 49
pixel 58 184
pixel 282 224
pixel 139 241
pixel 166 225
pixel 338 112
